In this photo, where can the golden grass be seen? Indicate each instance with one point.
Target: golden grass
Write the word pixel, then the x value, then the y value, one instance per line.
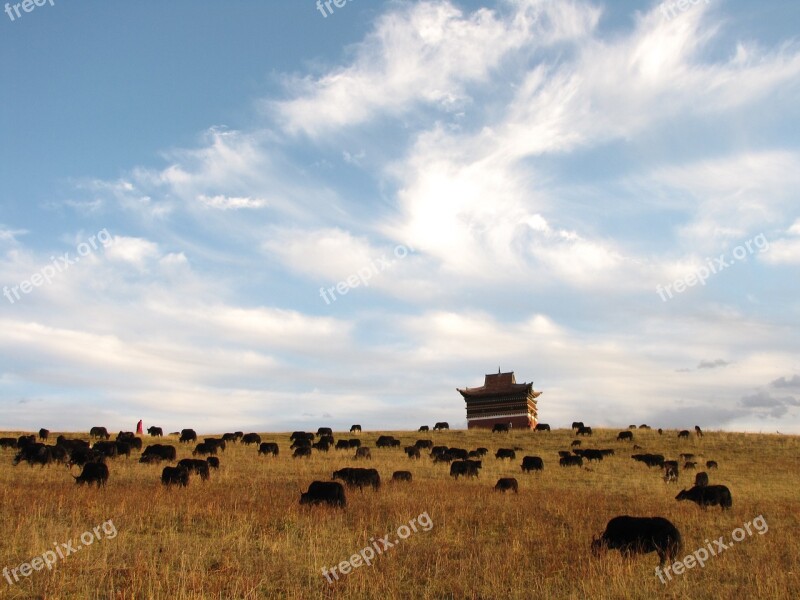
pixel 243 534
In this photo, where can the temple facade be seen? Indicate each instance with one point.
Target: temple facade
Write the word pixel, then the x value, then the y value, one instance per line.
pixel 501 400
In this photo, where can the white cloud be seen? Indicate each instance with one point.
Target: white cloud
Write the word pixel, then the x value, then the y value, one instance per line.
pixel 11 235
pixel 428 53
pixel 136 251
pixel 230 203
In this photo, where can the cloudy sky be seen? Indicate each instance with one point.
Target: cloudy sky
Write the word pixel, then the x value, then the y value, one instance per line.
pixel 249 215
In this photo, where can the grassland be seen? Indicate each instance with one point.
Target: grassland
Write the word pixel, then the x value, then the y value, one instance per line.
pixel 243 534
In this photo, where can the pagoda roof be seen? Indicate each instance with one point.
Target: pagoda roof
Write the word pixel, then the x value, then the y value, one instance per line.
pixel 499 384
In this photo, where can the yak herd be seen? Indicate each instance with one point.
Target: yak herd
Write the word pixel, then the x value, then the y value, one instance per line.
pixel 626 533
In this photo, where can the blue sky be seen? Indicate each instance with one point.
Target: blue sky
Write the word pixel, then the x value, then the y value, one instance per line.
pixel 526 184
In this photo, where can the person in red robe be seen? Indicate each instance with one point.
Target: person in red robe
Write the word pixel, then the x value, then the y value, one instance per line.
pixel 139 427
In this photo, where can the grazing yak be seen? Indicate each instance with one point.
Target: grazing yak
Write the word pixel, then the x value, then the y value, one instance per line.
pixel 412 451
pixel 175 476
pixel 131 443
pixel 651 460
pixel 577 424
pixel 631 426
pixel 660 431
pixel 323 445
pixel 251 438
pixel 687 456
pixel 442 425
pixel 625 436
pixel 363 453
pixel 204 449
pixel 401 476
pixel 106 448
pixel 354 443
pixel 541 427
pixel 697 431
pixel 584 431
pixel 302 453
pixel 44 434
pixel 387 441
pixel 162 451
pixel 324 431
pixel 683 434
pixel 123 448
pixel 670 473
pixel 301 443
pixel 575 443
pixel 81 455
pixel 8 442
pixel 218 443
pixel 424 428
pixel 269 448
pixel 467 468
pixel 644 426
pixel 711 464
pixel 213 462
pixel 99 432
pixel 590 454
pixel 427 444
pixel 563 453
pixel 298 435
pixel 701 479
pixel 441 454
pixel 34 454
pixel 230 437
pixel 505 453
pixel 500 428
pixel 199 467
pixel 342 445
pixel 570 461
pixel 59 454
pixel 640 535
pixel 689 465
pixel 355 429
pixel 93 472
pixel 187 436
pixel 26 440
pixel 670 463
pixel 327 492
pixel 506 483
pixel 458 453
pixel 358 477
pixel 155 431
pixel 710 495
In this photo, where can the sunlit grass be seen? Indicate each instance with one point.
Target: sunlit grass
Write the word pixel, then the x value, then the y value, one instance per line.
pixel 243 535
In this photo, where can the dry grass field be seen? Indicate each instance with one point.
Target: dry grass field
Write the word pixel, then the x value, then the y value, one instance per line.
pixel 243 534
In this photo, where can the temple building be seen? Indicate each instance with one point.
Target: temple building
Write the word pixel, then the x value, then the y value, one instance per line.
pixel 501 400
